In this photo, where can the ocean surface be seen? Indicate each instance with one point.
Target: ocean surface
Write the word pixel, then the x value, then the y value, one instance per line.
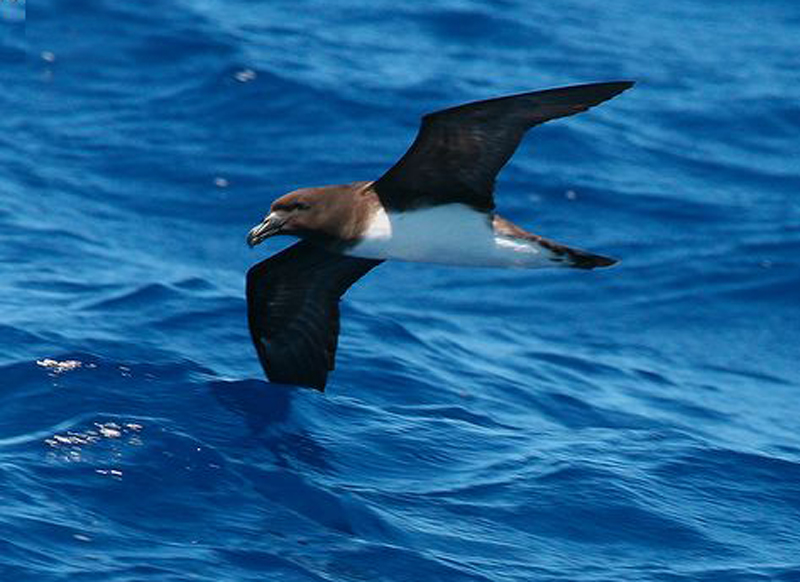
pixel 635 423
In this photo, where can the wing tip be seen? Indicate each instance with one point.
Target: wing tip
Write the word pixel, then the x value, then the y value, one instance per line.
pixel 596 93
pixel 619 86
pixel 279 372
pixel 623 83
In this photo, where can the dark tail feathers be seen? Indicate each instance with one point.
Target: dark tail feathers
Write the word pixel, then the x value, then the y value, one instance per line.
pixel 578 259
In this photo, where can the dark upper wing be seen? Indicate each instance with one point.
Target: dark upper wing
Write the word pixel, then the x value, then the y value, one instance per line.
pixel 459 151
pixel 293 310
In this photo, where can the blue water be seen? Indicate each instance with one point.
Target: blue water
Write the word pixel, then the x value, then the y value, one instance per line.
pixel 635 423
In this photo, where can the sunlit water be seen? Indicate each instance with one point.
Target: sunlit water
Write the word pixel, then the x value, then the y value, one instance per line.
pixel 635 423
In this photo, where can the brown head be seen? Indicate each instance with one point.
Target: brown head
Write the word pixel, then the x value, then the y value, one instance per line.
pixel 326 212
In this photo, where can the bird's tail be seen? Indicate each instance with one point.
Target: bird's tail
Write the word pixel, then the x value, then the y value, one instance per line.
pixel 578 259
pixel 566 256
pixel 550 253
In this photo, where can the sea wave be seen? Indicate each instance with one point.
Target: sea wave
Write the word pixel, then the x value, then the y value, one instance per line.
pixel 634 424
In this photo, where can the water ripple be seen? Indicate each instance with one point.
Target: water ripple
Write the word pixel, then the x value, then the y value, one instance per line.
pixel 635 423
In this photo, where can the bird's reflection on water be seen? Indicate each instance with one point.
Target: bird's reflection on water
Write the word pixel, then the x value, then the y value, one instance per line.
pixel 260 404
pixel 268 410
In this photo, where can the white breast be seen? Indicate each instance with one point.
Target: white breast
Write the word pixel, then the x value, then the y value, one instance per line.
pixel 452 234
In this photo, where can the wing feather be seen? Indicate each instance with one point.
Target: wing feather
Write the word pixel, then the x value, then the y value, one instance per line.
pixel 458 152
pixel 293 311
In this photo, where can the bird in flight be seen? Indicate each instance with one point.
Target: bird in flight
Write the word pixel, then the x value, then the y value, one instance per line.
pixel 436 204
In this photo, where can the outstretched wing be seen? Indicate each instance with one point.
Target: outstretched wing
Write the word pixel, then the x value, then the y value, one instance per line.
pixel 459 151
pixel 293 310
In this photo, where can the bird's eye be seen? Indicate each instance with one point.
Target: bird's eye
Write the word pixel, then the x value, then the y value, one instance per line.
pixel 289 207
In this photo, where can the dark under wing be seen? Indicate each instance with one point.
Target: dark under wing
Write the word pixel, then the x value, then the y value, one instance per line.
pixel 293 310
pixel 458 152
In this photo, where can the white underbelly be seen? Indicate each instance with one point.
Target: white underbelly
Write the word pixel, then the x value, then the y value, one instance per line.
pixel 452 234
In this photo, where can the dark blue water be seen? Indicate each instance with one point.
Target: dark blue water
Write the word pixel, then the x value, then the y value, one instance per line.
pixel 636 423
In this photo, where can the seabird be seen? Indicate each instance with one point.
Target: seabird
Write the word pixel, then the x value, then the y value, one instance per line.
pixel 436 204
